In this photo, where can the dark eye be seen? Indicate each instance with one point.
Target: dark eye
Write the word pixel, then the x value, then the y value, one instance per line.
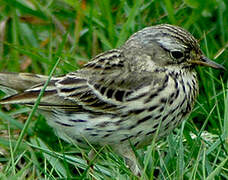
pixel 177 54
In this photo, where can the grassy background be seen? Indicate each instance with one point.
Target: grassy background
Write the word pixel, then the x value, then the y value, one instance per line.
pixel 34 34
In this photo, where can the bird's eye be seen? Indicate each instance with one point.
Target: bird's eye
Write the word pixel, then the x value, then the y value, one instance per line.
pixel 177 54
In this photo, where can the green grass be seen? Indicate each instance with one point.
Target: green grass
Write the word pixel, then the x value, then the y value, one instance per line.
pixel 34 35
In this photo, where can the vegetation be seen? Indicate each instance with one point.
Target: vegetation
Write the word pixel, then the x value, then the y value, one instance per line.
pixel 35 34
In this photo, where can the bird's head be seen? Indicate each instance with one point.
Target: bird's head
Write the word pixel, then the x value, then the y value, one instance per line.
pixel 166 46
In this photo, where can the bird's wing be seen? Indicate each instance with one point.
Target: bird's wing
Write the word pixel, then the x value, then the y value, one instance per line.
pixel 104 84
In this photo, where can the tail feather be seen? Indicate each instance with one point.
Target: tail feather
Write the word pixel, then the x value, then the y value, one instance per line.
pixel 27 88
pixel 14 85
pixel 20 81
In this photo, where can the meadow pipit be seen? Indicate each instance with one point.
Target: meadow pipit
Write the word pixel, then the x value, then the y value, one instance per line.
pixel 122 96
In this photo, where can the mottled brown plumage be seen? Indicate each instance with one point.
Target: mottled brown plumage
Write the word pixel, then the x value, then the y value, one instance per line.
pixel 122 96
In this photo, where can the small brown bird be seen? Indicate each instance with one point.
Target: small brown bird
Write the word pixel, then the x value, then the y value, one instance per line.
pixel 122 96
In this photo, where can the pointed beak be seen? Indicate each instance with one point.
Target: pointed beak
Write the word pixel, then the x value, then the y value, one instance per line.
pixel 204 61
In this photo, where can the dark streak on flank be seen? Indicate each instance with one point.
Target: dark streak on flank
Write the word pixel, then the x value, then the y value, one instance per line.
pixel 172 111
pixel 102 124
pixel 164 117
pixel 64 124
pixel 163 100
pixel 172 95
pixel 117 123
pixel 166 80
pixel 107 68
pixel 177 93
pixel 124 139
pixel 173 119
pixel 106 135
pixel 152 108
pixel 181 104
pixel 135 145
pixel 77 120
pixel 119 65
pixel 137 111
pixel 138 133
pixel 152 96
pixel 157 117
pixel 79 140
pixel 176 84
pixel 110 130
pixel 183 86
pixel 132 126
pixel 162 109
pixel 151 132
pixel 144 119
pixel 89 129
pixel 155 126
pixel 171 102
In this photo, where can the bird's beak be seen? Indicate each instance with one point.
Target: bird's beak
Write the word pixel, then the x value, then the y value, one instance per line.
pixel 204 61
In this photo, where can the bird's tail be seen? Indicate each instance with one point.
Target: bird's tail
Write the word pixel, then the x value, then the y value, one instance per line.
pixel 27 88
pixel 14 84
pixel 20 81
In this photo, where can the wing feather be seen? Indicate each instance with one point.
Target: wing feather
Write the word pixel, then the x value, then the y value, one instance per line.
pixel 103 85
